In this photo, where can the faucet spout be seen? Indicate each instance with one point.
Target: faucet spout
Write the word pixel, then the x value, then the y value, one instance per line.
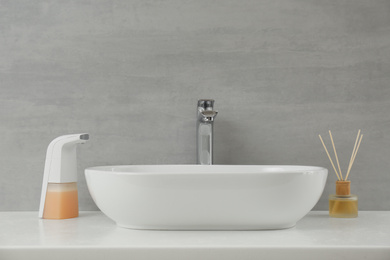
pixel 205 127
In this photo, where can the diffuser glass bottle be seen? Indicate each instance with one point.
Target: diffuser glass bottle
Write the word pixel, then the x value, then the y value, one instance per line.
pixel 343 204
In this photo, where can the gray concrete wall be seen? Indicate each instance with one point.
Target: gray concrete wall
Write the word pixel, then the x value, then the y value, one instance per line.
pixel 130 73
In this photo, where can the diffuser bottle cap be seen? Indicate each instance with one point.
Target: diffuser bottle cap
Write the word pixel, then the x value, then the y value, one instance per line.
pixel 343 188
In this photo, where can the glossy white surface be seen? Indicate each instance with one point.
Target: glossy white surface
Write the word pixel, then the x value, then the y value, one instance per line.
pixel 199 197
pixel 94 236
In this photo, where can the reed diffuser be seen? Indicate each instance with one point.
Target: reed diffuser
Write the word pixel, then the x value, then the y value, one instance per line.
pixel 343 204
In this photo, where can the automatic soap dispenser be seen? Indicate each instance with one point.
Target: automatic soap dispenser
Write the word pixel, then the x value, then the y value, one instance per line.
pixel 59 199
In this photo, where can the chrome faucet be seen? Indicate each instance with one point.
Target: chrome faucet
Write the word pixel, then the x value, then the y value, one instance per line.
pixel 204 131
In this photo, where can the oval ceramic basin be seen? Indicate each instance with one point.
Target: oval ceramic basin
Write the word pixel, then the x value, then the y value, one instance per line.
pixel 199 197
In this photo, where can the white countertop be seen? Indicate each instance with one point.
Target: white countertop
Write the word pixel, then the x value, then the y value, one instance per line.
pixel 94 236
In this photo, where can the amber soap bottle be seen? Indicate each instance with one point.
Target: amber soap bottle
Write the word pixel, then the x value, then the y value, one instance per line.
pixel 343 204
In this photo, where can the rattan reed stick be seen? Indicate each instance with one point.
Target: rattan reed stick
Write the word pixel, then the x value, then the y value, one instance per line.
pixel 330 159
pixel 335 153
pixel 353 153
pixel 357 148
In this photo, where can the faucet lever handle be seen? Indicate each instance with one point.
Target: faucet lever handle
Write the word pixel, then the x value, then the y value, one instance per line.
pixel 206 104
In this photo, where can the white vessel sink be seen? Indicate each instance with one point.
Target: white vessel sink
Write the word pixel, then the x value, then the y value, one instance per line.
pixel 199 197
